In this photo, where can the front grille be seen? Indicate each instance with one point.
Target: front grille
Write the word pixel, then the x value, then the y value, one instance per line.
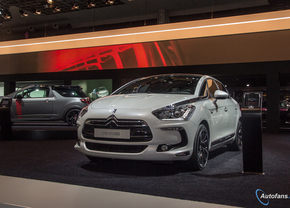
pixel 139 129
pixel 116 148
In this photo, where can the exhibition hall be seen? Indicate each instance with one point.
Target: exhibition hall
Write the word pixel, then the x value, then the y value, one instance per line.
pixel 144 103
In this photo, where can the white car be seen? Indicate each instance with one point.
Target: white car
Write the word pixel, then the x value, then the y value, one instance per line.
pixel 171 117
pixel 99 92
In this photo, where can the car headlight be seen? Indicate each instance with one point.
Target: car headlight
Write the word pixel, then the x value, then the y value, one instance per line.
pixel 83 112
pixel 175 112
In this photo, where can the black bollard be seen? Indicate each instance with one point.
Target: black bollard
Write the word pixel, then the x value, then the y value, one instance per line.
pixel 252 141
pixel 5 120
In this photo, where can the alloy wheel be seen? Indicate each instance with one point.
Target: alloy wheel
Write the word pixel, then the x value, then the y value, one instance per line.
pixel 202 148
pixel 72 116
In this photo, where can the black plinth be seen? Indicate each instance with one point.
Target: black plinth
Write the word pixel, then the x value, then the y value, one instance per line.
pixel 5 122
pixel 252 141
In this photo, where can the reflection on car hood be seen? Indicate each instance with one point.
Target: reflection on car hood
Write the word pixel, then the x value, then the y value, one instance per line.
pixel 139 101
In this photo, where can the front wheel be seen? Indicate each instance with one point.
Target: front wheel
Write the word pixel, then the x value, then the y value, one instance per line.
pixel 72 116
pixel 199 157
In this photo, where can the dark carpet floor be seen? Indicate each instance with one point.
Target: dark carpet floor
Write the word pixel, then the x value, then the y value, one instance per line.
pixel 53 158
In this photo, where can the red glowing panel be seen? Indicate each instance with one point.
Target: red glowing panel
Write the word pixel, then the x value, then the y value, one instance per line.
pixel 138 55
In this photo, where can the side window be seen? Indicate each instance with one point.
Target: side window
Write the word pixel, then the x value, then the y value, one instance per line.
pixel 69 92
pixel 220 86
pixel 35 92
pixel 211 87
pixel 39 92
pixel 23 93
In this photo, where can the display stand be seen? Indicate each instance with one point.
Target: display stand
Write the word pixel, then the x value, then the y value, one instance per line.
pixel 5 119
pixel 252 133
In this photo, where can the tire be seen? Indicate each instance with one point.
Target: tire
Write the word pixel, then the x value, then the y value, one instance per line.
pixel 199 157
pixel 71 116
pixel 237 144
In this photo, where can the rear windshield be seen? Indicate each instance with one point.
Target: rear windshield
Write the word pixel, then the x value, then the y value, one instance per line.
pixel 70 92
pixel 101 88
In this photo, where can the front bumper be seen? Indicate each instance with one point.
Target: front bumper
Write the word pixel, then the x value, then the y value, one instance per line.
pixel 171 140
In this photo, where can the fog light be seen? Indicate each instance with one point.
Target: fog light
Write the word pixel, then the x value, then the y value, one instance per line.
pixel 164 147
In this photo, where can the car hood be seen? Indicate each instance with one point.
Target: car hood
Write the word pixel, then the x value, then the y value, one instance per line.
pixel 139 101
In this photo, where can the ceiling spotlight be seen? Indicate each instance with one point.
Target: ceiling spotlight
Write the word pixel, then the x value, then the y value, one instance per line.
pixel 36 11
pixel 109 2
pixel 22 13
pixel 7 17
pixel 47 3
pixel 74 7
pixel 31 29
pixel 91 4
pixel 56 9
pixel 6 14
pixel 9 32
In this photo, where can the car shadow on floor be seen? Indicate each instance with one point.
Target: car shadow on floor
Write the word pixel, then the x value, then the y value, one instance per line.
pixel 132 168
pixel 141 168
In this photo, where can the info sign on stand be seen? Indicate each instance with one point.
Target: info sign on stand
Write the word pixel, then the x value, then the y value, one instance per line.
pixel 252 132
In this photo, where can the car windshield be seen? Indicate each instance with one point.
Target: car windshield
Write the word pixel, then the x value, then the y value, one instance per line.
pixel 162 84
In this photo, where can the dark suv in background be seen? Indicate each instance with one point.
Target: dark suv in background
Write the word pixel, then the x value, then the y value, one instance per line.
pixel 47 103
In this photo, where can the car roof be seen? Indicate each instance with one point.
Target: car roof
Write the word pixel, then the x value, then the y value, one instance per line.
pixel 176 75
pixel 53 86
pixel 66 86
pixel 202 77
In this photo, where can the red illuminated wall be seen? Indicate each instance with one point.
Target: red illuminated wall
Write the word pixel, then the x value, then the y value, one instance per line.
pixel 139 55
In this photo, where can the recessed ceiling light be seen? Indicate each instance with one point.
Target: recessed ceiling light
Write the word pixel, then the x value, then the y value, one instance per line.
pixel 22 13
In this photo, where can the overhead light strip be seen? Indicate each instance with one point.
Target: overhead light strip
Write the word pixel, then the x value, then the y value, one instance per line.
pixel 148 32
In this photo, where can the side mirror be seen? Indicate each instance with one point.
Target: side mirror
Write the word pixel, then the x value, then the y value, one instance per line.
pixel 19 97
pixel 219 94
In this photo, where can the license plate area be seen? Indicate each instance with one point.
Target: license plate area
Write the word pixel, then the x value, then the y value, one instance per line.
pixel 112 133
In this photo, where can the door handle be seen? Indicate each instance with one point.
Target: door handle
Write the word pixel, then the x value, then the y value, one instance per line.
pixel 226 109
pixel 47 101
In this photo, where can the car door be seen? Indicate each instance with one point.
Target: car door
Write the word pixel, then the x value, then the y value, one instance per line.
pixel 218 112
pixel 232 110
pixel 33 103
